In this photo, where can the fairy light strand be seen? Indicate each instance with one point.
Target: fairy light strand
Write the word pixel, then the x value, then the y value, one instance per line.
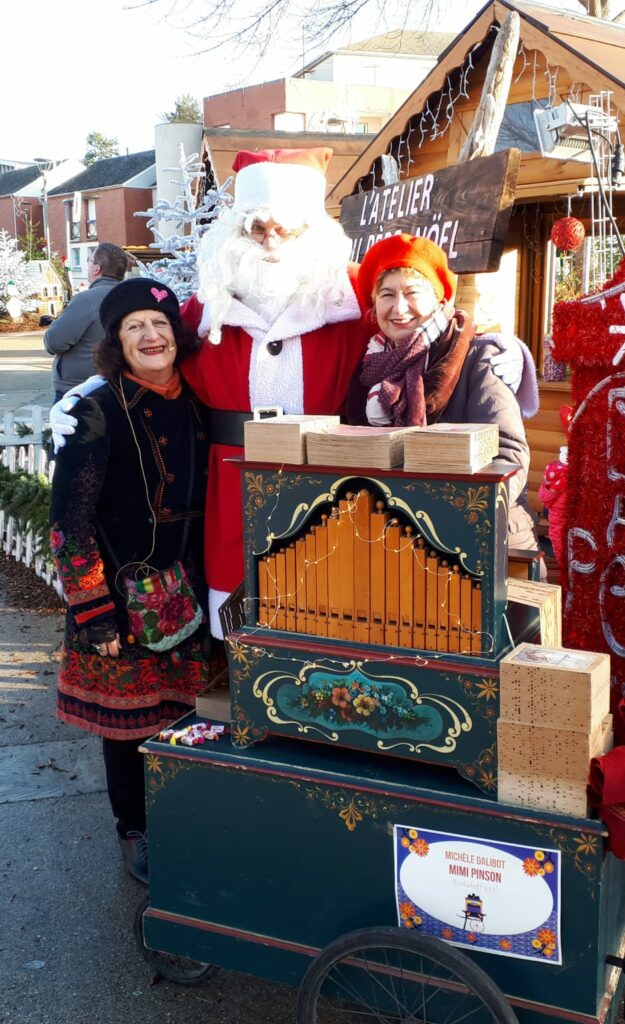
pixel 280 602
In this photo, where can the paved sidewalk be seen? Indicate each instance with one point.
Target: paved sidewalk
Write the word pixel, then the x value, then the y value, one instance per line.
pixel 25 374
pixel 67 952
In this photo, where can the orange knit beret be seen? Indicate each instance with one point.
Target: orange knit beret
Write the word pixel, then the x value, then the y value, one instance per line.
pixel 409 253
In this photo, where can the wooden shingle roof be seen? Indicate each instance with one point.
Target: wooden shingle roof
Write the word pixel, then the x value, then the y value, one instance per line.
pixel 411 43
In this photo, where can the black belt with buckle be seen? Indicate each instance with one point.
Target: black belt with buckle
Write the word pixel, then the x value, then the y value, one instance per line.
pixel 226 426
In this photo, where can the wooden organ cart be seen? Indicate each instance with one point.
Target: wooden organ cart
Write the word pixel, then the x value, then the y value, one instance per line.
pixel 374 866
pixel 374 629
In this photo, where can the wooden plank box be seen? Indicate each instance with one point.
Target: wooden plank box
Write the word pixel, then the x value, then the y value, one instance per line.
pixel 565 689
pixel 547 769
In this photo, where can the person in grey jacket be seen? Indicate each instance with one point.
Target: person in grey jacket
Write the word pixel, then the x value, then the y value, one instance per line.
pixel 73 336
pixel 426 365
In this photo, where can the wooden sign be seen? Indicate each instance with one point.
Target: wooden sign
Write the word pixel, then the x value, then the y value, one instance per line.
pixel 465 209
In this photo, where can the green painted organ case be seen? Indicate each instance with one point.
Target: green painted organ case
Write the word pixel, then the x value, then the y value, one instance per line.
pixel 374 612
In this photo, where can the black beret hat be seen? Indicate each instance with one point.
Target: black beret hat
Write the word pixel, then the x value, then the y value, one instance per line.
pixel 134 294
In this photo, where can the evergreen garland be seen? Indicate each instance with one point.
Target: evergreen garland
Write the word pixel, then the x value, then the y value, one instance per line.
pixel 26 497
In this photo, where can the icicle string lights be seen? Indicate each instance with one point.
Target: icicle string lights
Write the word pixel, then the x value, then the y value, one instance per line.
pixel 282 599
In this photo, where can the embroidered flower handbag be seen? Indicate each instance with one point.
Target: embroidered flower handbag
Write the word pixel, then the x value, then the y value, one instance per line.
pixel 162 608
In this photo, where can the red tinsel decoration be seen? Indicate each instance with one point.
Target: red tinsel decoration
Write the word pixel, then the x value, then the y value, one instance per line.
pixel 568 234
pixel 594 557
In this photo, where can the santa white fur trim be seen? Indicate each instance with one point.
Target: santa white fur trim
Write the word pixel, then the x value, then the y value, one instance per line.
pixel 291 194
pixel 277 379
pixel 215 600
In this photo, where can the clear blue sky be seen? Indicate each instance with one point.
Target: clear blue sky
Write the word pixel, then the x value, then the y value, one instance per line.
pixel 70 67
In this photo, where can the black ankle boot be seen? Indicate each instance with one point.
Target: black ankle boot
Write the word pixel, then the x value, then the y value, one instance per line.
pixel 135 852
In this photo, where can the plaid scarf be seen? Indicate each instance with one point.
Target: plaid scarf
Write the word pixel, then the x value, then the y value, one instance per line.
pixel 414 387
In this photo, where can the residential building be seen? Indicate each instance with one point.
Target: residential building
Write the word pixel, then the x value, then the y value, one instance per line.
pixel 22 193
pixel 20 202
pixel 98 205
pixel 354 89
pixel 12 165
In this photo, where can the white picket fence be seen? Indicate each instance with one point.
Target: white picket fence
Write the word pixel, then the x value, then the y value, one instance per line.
pixel 27 455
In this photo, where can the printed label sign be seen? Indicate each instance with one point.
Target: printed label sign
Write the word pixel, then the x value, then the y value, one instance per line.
pixel 496 897
pixel 574 660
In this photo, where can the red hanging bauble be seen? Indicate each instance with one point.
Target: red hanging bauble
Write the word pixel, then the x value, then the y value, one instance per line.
pixel 568 234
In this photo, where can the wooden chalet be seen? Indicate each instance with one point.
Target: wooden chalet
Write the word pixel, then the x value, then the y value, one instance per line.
pixel 560 57
pixel 221 145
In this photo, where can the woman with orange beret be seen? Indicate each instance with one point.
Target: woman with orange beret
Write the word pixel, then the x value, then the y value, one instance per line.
pixel 424 365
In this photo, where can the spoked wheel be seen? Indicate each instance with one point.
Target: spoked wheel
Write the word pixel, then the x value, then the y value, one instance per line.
pixel 393 976
pixel 179 969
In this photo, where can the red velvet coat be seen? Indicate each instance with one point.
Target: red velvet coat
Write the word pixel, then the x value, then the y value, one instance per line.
pixel 220 377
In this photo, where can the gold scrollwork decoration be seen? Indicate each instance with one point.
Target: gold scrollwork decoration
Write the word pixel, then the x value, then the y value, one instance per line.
pixel 473 499
pixel 261 487
pixel 460 723
pixel 584 849
pixel 482 772
pixel 244 656
pixel 482 691
pixel 266 685
pixel 243 731
pixel 503 497
pixel 352 808
pixel 161 771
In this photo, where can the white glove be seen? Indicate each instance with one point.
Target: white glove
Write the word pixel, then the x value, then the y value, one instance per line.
pixel 60 422
pixel 509 363
pixel 514 364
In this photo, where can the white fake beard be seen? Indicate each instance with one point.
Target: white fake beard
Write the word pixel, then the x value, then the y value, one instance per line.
pixel 264 282
pixel 310 272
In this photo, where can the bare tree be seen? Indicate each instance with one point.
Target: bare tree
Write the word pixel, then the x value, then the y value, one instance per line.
pixel 251 26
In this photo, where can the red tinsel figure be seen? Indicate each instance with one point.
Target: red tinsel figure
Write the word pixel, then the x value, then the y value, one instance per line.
pixel 568 234
pixel 588 333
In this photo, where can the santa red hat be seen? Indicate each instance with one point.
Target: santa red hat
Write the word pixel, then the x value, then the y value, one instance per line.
pixel 288 185
pixel 410 253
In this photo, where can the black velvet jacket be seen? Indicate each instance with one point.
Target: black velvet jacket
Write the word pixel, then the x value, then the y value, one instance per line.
pixel 100 516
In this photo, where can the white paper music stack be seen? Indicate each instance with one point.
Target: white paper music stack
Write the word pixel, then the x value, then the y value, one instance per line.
pixel 451 447
pixel 371 447
pixel 282 438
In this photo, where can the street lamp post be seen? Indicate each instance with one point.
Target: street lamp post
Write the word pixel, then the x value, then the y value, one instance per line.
pixel 68 203
pixel 44 167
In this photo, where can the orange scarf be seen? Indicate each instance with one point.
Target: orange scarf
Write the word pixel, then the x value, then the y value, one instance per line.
pixel 172 389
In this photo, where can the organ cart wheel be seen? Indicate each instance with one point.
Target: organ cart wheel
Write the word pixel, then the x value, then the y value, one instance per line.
pixel 394 976
pixel 179 969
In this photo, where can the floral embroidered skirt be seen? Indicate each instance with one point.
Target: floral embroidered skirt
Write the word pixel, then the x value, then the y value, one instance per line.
pixel 135 695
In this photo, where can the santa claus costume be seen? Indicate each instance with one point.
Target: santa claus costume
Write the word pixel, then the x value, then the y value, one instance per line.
pixel 284 328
